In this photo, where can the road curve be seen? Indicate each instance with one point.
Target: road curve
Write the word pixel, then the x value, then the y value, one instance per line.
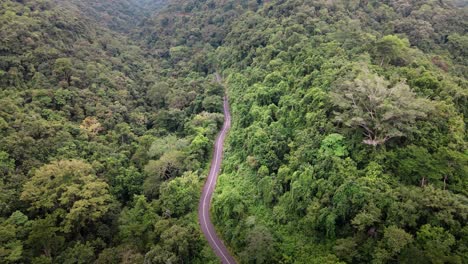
pixel 205 201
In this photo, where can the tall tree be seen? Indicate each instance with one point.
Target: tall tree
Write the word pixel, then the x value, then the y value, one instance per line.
pixel 382 111
pixel 70 190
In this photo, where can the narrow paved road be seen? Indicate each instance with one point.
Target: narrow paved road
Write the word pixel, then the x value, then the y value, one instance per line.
pixel 205 200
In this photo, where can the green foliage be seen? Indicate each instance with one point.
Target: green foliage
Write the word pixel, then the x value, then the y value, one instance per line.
pixel 136 224
pixel 259 246
pixel 12 232
pixel 332 146
pixel 179 196
pixel 392 49
pixel 165 144
pixel 85 108
pixel 170 165
pixel 45 238
pixel 63 70
pixel 78 254
pixel 436 244
pixel 380 111
pixel 69 190
pixel 157 94
pixel 108 111
pixel 393 242
pixel 127 184
pixel 384 71
pixel 177 247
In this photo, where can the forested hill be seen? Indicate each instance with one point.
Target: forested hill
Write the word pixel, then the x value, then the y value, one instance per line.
pixel 349 135
pixel 122 15
pixel 102 155
pixel 348 143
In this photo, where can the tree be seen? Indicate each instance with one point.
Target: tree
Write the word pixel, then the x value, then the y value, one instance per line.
pixel 171 120
pixel 70 190
pixel 170 165
pixel 159 255
pixel 332 146
pixel 213 103
pixel 63 69
pixel 166 144
pixel 179 195
pixel 435 243
pixel 157 94
pixel 392 49
pixel 394 241
pixel 92 126
pixel 346 248
pixel 137 223
pixel 415 165
pixel 229 205
pixel 200 146
pixel 127 183
pixel 458 46
pixel 79 253
pixel 45 237
pixel 12 232
pixel 7 164
pixel 177 245
pixel 121 254
pixel 259 246
pixel 7 195
pixel 180 240
pixel 381 111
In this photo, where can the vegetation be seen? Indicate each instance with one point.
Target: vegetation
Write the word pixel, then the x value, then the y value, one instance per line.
pixel 348 143
pixel 90 124
pixel 312 85
pixel 382 112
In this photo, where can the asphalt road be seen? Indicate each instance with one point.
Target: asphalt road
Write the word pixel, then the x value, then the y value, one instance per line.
pixel 205 201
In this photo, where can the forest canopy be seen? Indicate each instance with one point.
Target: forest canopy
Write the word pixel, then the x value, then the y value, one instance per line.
pixel 348 141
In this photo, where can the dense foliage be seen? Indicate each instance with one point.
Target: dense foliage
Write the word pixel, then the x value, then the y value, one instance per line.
pixel 102 152
pixel 348 142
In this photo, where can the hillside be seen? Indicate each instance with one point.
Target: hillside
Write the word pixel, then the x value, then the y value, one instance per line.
pixel 348 141
pixel 92 134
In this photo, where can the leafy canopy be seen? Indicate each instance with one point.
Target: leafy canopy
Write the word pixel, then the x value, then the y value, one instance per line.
pixel 380 110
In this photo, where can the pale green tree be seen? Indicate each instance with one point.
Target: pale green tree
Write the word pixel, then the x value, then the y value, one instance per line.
pixel 381 110
pixel 70 190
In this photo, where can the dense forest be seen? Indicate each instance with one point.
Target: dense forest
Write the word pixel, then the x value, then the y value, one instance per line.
pixel 102 151
pixel 348 142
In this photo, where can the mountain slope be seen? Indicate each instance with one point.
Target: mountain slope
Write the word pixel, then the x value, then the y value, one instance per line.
pixel 89 125
pixel 310 175
pixel 348 139
pixel 302 182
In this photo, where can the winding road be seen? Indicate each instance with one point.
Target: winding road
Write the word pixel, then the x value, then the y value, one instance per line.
pixel 205 201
